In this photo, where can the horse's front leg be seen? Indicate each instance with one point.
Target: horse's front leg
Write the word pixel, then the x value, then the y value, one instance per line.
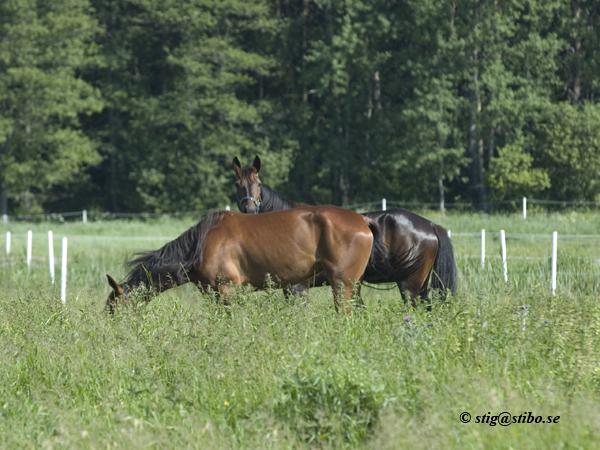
pixel 300 290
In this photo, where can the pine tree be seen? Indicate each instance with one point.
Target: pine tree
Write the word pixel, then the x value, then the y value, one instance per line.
pixel 176 82
pixel 44 46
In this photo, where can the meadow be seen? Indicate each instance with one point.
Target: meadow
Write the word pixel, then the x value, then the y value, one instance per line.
pixel 184 372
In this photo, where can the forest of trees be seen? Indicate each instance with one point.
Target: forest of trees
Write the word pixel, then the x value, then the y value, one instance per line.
pixel 141 105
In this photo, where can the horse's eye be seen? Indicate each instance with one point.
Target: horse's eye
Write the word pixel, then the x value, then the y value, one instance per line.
pixel 259 184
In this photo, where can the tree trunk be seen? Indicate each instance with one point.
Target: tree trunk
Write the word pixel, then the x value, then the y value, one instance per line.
pixel 377 90
pixel 3 193
pixel 490 146
pixel 576 91
pixel 343 188
pixel 476 143
pixel 112 189
pixel 304 46
pixel 441 187
pixel 340 128
pixel 3 202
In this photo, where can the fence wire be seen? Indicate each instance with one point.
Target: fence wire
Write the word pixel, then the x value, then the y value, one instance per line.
pixel 374 205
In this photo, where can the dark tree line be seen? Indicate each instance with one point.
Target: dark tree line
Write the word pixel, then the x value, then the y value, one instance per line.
pixel 140 105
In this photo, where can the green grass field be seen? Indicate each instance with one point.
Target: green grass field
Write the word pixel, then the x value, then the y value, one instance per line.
pixel 182 372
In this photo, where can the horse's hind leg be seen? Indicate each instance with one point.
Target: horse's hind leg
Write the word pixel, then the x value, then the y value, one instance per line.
pixel 425 293
pixel 415 286
pixel 359 300
pixel 409 291
pixel 404 293
pixel 225 294
pixel 425 289
pixel 343 291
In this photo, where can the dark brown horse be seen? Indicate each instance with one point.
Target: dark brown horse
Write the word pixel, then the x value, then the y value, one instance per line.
pixel 419 249
pixel 292 246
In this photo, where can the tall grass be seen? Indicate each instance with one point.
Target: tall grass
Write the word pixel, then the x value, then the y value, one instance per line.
pixel 185 372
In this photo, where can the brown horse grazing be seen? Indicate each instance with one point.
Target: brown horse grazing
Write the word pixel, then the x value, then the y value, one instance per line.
pixel 292 246
pixel 419 249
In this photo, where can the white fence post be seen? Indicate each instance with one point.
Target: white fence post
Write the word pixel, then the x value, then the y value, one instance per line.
pixel 504 264
pixel 4 219
pixel 8 242
pixel 51 254
pixel 524 207
pixel 450 234
pixel 29 244
pixel 482 248
pixel 554 246
pixel 84 216
pixel 63 272
pixel 227 208
pixel 383 204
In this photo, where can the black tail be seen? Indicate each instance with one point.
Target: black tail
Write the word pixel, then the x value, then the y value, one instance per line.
pixel 170 263
pixel 379 265
pixel 444 267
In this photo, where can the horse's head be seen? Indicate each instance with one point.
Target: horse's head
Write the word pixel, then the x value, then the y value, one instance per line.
pixel 118 294
pixel 248 186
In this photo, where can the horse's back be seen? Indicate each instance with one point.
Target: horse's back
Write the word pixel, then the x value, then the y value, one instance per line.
pixel 299 225
pixel 345 245
pixel 290 244
pixel 412 244
pixel 253 241
pixel 342 220
pixel 403 229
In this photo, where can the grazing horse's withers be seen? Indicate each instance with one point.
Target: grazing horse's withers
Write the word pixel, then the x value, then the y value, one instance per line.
pixel 420 252
pixel 292 246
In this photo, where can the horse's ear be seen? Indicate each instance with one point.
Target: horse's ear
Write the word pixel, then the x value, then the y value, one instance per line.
pixel 256 164
pixel 237 167
pixel 114 285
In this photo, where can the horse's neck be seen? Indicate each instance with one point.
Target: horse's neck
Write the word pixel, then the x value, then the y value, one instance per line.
pixel 273 201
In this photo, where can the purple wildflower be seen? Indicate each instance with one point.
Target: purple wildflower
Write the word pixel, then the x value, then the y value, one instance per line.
pixel 407 319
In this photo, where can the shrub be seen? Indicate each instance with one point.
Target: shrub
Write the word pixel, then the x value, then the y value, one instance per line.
pixel 323 404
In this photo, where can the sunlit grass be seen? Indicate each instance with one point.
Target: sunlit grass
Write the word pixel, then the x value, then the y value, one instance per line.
pixel 185 372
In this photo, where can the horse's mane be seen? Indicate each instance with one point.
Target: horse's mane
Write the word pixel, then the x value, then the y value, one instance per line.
pixel 174 259
pixel 271 200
